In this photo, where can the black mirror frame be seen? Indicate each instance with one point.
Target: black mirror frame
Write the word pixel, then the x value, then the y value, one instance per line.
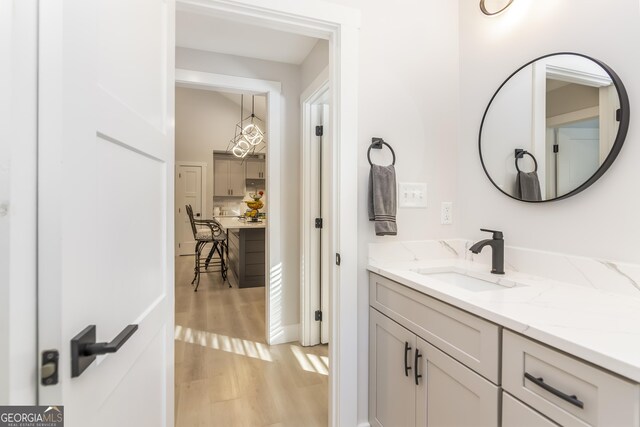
pixel 625 116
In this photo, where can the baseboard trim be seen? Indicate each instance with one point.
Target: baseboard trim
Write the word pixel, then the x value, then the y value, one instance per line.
pixel 287 333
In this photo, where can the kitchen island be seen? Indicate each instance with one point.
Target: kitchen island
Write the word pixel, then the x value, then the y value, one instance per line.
pixel 245 250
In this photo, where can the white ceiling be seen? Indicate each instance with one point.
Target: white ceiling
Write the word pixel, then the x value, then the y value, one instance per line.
pixel 213 34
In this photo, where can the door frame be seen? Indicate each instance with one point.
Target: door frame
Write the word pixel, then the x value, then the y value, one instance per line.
pixel 339 25
pixel 272 90
pixel 309 254
pixel 203 193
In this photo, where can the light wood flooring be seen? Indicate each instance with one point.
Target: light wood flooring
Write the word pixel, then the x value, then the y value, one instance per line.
pixel 225 373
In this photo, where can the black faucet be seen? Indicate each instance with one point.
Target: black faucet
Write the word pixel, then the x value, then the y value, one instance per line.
pixel 497 250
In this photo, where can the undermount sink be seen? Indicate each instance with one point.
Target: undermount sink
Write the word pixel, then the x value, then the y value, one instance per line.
pixel 468 281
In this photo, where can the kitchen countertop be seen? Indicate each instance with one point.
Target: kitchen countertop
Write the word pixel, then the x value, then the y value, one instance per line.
pixel 234 223
pixel 599 327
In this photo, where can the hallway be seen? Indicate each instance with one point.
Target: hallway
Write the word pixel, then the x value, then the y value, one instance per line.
pixel 225 373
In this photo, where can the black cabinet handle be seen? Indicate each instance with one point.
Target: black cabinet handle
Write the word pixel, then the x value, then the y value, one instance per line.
pixel 417 366
pixel 84 347
pixel 573 399
pixel 407 368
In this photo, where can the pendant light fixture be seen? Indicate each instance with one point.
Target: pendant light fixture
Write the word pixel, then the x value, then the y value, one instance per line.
pixel 494 7
pixel 247 135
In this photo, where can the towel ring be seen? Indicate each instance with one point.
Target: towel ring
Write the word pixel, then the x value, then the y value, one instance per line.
pixel 520 153
pixel 377 143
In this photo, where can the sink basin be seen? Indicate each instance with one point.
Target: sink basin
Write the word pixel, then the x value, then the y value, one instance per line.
pixel 468 281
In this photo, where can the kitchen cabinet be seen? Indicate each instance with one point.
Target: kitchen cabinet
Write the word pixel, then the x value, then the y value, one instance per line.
pixel 412 383
pixel 228 177
pixel 255 169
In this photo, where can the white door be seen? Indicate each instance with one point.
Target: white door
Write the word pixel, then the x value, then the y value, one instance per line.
pixel 106 226
pixel 189 191
pixel 578 156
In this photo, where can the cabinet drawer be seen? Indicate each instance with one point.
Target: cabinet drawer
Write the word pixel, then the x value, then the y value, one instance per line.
pixel 467 338
pixel 565 389
pixel 517 414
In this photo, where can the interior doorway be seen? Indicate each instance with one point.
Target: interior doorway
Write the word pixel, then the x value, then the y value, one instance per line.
pixel 338 26
pixel 251 324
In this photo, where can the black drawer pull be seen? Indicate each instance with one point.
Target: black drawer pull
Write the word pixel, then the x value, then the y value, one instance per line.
pixel 573 399
pixel 415 372
pixel 407 368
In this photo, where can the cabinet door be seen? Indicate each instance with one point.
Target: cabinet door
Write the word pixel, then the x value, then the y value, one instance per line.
pixel 221 178
pixel 236 177
pixel 450 394
pixel 254 169
pixel 517 414
pixel 392 398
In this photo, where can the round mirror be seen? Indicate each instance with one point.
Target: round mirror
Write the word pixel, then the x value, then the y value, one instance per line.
pixel 553 127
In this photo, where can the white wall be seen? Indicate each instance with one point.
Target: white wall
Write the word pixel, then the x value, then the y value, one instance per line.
pixel 289 76
pixel 408 95
pixel 493 47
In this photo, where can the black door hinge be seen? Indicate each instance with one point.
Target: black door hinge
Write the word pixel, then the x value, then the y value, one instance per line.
pixel 338 259
pixel 318 222
pixel 318 316
pixel 556 148
pixel 49 367
pixel 319 130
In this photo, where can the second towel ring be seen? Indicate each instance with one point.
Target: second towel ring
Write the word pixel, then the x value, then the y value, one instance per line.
pixel 520 154
pixel 377 143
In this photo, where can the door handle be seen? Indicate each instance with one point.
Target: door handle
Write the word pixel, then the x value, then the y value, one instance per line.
pixel 85 349
pixel 415 372
pixel 407 368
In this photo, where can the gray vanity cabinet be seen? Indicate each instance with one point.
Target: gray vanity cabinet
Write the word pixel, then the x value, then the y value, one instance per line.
pixel 412 383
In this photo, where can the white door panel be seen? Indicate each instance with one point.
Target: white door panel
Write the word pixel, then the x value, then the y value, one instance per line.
pixel 189 191
pixel 106 204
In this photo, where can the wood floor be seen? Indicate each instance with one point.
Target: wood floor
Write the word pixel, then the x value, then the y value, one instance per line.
pixel 225 373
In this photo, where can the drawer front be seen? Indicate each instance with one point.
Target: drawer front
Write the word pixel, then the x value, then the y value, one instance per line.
pixel 565 389
pixel 465 337
pixel 517 414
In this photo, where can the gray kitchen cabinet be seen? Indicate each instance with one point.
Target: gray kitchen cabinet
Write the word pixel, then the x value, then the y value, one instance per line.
pixel 412 383
pixel 255 169
pixel 228 177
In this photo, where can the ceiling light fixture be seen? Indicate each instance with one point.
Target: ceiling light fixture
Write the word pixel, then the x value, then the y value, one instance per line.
pixel 493 7
pixel 247 137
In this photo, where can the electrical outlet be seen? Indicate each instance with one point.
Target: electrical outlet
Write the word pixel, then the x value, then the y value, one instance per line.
pixel 412 195
pixel 446 213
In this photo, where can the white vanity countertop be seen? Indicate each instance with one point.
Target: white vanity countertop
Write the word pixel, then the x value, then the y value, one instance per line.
pixel 600 327
pixel 234 222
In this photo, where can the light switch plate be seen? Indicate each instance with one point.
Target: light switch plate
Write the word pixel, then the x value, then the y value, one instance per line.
pixel 412 195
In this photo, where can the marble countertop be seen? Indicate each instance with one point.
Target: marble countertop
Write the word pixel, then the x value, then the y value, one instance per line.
pixel 600 327
pixel 234 222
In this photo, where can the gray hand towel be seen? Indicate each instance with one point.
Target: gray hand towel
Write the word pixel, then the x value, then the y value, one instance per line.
pixel 382 199
pixel 528 186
